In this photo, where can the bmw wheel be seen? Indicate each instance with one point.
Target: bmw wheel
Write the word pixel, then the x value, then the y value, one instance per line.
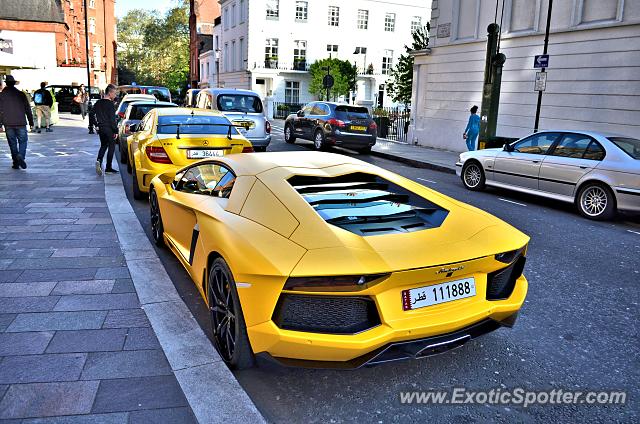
pixel 288 134
pixel 318 140
pixel 596 201
pixel 473 176
pixel 227 322
pixel 157 229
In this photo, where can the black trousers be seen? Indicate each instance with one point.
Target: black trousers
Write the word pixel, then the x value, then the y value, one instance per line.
pixel 107 144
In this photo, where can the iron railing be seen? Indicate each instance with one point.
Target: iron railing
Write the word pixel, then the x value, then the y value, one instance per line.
pixel 283 109
pixel 393 122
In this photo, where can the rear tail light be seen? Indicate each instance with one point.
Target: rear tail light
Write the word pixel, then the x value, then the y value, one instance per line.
pixel 333 283
pixel 267 127
pixel 336 123
pixel 248 149
pixel 373 126
pixel 157 154
pixel 121 114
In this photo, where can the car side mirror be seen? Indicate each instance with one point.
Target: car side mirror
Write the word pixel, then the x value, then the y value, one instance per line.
pixel 300 114
pixel 508 148
pixel 166 178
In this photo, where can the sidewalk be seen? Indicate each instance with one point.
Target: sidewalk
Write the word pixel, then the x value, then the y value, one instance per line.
pixel 75 342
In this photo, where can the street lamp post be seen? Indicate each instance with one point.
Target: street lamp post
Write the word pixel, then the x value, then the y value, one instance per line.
pixel 546 45
pixel 218 53
pixel 86 47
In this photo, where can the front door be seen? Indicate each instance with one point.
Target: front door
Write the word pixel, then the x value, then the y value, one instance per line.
pixel 521 167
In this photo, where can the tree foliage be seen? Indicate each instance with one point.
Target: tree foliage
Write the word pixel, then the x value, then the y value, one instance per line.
pixel 344 75
pixel 154 49
pixel 401 77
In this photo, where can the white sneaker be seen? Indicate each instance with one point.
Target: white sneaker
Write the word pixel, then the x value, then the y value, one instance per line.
pixel 98 167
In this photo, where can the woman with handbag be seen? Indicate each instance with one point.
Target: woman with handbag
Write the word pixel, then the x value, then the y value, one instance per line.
pixel 82 99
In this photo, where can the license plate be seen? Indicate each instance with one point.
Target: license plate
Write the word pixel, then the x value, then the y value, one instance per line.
pixel 438 293
pixel 203 154
pixel 358 128
pixel 247 125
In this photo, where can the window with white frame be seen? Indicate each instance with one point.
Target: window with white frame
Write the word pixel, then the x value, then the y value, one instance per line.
pixel 233 15
pixel 273 9
pixel 363 19
pixel 92 4
pixel 233 55
pixel 241 10
pixel 387 62
pixel 334 16
pixel 97 57
pixel 226 57
pixel 302 11
pixel 292 92
pixel 299 54
pixel 225 18
pixel 271 50
pixel 208 70
pixel 416 23
pixel 241 53
pixel 390 22
pixel 589 11
pixel 332 48
pixel 92 25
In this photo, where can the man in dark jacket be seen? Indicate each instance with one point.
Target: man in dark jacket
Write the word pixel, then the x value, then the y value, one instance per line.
pixel 14 113
pixel 43 101
pixel 105 113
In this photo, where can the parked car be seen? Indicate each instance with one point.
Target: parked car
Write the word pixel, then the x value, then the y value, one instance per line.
pixel 173 137
pixel 599 173
pixel 132 116
pixel 191 97
pixel 332 124
pixel 161 93
pixel 65 94
pixel 322 260
pixel 244 109
pixel 131 98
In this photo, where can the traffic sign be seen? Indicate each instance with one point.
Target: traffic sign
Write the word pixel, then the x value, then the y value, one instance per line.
pixel 541 81
pixel 327 81
pixel 541 61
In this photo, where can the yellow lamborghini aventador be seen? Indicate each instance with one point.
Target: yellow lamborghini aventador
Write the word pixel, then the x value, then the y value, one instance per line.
pixel 169 138
pixel 319 259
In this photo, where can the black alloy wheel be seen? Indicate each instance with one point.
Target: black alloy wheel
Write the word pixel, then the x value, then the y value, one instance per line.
pixel 157 229
pixel 288 134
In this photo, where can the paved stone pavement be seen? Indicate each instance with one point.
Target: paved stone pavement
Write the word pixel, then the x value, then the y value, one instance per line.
pixel 75 346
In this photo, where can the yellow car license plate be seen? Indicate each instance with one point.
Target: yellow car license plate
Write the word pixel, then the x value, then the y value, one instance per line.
pixel 203 154
pixel 358 128
pixel 438 293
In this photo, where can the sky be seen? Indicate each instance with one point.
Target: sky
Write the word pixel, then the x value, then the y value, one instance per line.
pixel 123 6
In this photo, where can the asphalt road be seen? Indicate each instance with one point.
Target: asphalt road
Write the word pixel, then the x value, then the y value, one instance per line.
pixel 578 329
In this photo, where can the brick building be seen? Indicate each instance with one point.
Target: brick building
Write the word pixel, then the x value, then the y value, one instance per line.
pixel 201 22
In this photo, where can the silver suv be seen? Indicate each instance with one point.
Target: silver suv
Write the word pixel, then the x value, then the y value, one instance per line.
pixel 244 109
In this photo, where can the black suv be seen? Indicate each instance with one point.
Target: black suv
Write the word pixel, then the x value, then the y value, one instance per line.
pixel 332 124
pixel 65 94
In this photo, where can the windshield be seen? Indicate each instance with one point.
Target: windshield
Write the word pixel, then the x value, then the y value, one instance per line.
pixel 123 106
pixel 138 111
pixel 195 124
pixel 239 103
pixel 161 93
pixel 631 146
pixel 348 113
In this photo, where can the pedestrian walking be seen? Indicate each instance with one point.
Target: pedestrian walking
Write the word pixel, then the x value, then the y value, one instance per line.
pixel 473 129
pixel 105 113
pixel 43 101
pixel 82 99
pixel 15 111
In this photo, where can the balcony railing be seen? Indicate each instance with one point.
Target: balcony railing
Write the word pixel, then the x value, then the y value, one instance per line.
pixel 299 65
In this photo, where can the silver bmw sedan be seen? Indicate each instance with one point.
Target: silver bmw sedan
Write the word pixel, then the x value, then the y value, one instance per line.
pixel 599 173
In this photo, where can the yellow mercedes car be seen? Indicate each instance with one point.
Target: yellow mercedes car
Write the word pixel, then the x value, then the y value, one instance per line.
pixel 169 138
pixel 322 260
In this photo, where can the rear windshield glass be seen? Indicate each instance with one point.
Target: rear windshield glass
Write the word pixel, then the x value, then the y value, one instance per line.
pixel 138 111
pixel 631 146
pixel 195 124
pixel 161 93
pixel 123 106
pixel 351 112
pixel 239 103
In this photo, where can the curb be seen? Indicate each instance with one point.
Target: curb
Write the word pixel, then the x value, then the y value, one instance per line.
pixel 414 162
pixel 199 369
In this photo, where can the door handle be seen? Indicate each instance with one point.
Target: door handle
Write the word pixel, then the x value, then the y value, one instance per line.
pixel 583 167
pixel 535 161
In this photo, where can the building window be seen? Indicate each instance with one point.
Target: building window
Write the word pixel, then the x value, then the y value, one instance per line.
pixel 92 4
pixel 300 55
pixel 387 61
pixel 97 57
pixel 332 48
pixel 302 11
pixel 226 57
pixel 241 7
pixel 92 25
pixel 208 71
pixel 273 9
pixel 241 53
pixel 363 19
pixel 271 53
pixel 292 92
pixel 233 15
pixel 225 18
pixel 334 16
pixel 416 23
pixel 233 55
pixel 390 22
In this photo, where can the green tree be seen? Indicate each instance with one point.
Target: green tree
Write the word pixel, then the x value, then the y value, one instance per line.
pixel 401 77
pixel 154 49
pixel 343 73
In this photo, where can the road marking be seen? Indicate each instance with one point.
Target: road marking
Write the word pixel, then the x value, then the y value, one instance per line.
pixel 62 154
pixel 86 153
pixel 634 232
pixel 38 154
pixel 429 181
pixel 511 201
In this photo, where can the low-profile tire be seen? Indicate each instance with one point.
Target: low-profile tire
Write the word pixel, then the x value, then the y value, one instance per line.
pixel 318 140
pixel 157 229
pixel 288 134
pixel 137 193
pixel 227 321
pixel 365 150
pixel 129 161
pixel 473 176
pixel 596 201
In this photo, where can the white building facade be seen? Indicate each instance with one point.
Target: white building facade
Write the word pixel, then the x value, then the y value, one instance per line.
pixel 593 78
pixel 268 45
